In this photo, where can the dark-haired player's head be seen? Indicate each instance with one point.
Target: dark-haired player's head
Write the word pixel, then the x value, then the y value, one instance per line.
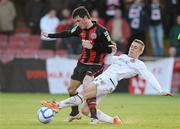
pixel 81 17
pixel 80 12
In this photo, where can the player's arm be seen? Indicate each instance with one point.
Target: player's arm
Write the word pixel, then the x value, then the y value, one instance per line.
pixel 64 34
pixel 153 81
pixel 99 47
pixel 110 58
pixel 104 44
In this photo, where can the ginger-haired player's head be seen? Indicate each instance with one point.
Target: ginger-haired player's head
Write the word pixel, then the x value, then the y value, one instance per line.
pixel 136 48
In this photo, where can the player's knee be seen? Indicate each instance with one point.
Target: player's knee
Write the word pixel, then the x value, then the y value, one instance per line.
pixel 85 111
pixel 87 81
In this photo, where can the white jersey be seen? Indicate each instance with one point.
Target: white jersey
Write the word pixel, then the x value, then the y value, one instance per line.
pixel 124 66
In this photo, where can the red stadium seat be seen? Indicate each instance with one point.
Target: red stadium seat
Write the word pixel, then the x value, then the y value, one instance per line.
pixel 34 38
pixel 7 56
pixel 23 30
pixel 177 65
pixel 3 38
pixel 32 45
pixel 3 44
pixel 1 52
pixel 12 51
pixel 3 41
pixel 44 54
pixel 19 37
pixel 27 54
pixel 62 53
pixel 15 45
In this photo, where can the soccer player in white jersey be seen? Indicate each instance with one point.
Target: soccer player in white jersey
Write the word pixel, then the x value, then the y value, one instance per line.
pixel 123 66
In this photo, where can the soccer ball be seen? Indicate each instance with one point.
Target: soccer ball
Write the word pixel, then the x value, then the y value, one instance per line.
pixel 45 115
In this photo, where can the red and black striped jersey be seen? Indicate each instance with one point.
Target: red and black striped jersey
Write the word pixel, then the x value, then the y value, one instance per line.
pixel 99 37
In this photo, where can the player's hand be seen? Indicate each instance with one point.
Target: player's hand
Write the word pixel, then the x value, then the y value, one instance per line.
pixel 45 34
pixel 166 94
pixel 87 44
pixel 113 47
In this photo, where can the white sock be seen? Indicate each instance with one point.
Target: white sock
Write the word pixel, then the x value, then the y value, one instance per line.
pixel 71 101
pixel 103 117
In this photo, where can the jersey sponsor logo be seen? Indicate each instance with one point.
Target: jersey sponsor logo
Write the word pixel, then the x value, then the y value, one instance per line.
pixel 93 36
pixel 73 29
pixel 107 36
pixel 123 60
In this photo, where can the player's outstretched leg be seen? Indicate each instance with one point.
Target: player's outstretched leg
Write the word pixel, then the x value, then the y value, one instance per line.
pixel 75 114
pixel 53 105
pixel 106 118
pixel 117 121
pixel 102 116
pixel 71 101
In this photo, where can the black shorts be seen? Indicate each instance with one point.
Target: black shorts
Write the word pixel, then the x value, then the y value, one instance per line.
pixel 81 70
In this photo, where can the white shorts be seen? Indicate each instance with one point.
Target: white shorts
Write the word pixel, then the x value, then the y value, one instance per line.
pixel 104 85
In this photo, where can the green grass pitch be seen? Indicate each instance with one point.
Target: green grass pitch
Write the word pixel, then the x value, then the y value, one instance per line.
pixel 18 111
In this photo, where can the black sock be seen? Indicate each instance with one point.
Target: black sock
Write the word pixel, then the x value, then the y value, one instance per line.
pixel 93 113
pixel 74 109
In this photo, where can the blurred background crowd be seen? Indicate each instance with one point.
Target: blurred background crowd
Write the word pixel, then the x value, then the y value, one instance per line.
pixel 156 22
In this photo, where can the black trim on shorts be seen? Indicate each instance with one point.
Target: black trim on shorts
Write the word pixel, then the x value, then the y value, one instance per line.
pixel 112 81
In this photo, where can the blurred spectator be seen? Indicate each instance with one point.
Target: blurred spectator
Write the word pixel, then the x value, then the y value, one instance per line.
pixel 72 44
pixel 172 9
pixel 90 4
pixel 49 23
pixel 35 9
pixel 174 49
pixel 58 5
pixel 127 4
pixel 174 6
pixel 7 16
pixel 119 30
pixel 156 28
pixel 72 4
pixel 111 6
pixel 137 19
pixel 95 17
pixel 98 5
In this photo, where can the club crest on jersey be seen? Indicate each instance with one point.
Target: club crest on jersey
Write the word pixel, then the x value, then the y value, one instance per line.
pixel 93 35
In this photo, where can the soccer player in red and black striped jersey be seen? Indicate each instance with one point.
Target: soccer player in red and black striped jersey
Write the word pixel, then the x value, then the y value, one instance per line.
pixel 96 43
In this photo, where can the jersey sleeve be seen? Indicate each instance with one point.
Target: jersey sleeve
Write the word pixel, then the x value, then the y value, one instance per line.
pixel 104 40
pixel 68 33
pixel 146 74
pixel 110 58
